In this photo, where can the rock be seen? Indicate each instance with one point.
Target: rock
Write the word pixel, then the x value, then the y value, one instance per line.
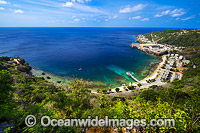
pixel 43 73
pixel 48 77
pixel 24 68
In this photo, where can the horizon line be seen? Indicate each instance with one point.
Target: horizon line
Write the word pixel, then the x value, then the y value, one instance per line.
pixel 93 27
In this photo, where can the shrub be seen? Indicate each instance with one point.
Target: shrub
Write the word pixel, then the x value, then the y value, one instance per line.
pixel 117 89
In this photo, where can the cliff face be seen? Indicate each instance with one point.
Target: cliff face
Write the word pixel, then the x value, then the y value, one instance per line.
pixel 16 63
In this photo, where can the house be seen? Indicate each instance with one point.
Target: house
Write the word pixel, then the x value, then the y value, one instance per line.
pixel 180 57
pixel 17 61
pixel 185 62
pixel 169 67
pixel 11 61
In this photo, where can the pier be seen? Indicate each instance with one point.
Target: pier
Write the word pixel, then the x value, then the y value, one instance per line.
pixel 130 75
pixel 134 44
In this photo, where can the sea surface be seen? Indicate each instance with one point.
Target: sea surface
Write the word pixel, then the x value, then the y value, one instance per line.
pixel 95 54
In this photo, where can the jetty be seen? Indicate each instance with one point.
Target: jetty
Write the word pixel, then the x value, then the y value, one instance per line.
pixel 130 75
pixel 134 44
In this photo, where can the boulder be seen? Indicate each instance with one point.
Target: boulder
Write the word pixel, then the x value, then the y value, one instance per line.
pixel 58 81
pixel 48 77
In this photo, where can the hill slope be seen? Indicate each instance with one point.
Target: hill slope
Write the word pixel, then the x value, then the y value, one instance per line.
pixel 184 38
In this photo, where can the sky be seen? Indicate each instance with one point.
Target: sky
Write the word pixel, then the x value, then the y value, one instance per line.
pixel 100 13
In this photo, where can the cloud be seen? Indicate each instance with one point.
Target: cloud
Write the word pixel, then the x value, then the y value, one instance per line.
pixel 55 21
pixel 145 19
pixel 132 9
pixel 84 8
pixel 88 9
pixel 136 17
pixel 68 4
pixel 113 17
pixel 163 13
pixel 3 2
pixel 191 17
pixel 81 1
pixel 16 5
pixel 172 13
pixel 73 16
pixel 177 12
pixel 18 11
pixel 1 8
pixel 76 20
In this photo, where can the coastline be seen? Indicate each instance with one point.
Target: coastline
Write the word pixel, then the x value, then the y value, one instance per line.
pixel 155 72
pixel 51 77
pixel 150 73
pixel 143 81
pixel 60 81
pixel 93 85
pixel 64 80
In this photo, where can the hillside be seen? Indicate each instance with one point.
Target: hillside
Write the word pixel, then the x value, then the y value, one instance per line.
pixel 22 94
pixel 184 38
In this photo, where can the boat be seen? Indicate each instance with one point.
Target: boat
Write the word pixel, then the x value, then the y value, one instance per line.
pixel 80 69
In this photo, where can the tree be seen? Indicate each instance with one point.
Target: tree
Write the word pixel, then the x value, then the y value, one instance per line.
pixel 5 85
pixel 117 89
pixel 139 84
pixel 104 91
pixel 174 65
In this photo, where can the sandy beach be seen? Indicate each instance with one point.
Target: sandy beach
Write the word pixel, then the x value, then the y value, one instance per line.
pixel 143 81
pixel 154 74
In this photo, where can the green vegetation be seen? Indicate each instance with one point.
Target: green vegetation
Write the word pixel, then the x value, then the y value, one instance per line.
pixel 117 89
pixel 22 94
pixel 184 38
pixel 131 87
pixel 150 80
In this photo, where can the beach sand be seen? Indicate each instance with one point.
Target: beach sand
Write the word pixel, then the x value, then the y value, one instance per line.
pixel 143 81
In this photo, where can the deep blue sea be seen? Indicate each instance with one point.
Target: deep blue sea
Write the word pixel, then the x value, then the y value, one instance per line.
pixel 103 54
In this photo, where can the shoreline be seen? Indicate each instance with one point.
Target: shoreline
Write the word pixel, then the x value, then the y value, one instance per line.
pixel 155 72
pixel 143 81
pixel 51 77
pixel 63 81
pixel 93 85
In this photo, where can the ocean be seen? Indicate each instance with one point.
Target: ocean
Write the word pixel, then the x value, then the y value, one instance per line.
pixel 94 54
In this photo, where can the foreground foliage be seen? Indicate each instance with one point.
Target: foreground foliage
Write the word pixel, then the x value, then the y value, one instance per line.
pixel 22 94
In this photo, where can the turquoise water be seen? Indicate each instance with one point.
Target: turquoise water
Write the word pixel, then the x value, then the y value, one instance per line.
pixel 102 54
